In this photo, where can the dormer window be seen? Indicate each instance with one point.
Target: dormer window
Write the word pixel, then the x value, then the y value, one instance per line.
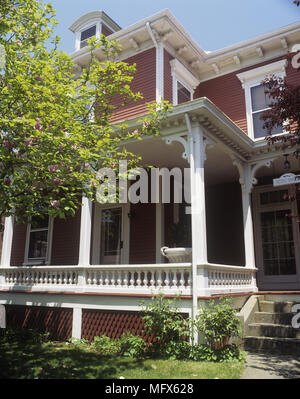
pixel 87 34
pixel 92 24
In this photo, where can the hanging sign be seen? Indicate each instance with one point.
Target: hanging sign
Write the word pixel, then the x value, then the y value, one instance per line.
pixel 288 178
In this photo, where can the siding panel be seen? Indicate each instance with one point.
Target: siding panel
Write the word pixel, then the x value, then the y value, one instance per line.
pixel 144 81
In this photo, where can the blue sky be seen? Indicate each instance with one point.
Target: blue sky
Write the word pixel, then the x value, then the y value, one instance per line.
pixel 212 23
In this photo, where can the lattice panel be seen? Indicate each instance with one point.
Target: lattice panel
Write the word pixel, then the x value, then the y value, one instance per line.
pixel 56 321
pixel 111 323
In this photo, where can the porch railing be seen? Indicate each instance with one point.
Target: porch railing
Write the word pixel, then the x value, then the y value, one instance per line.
pixel 116 279
pixel 168 278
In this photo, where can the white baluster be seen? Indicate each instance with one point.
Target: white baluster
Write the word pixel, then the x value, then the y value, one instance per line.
pixel 152 278
pixel 181 280
pixel 138 279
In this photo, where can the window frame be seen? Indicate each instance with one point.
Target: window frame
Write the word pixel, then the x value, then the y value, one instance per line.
pixel 252 78
pixel 85 29
pixel 182 75
pixel 89 25
pixel 39 261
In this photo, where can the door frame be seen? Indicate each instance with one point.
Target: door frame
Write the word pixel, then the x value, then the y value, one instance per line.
pixel 280 282
pixel 125 231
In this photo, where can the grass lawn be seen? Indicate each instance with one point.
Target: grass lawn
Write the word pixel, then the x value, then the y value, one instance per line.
pixel 28 360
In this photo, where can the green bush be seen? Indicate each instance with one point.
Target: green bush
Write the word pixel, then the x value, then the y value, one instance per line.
pixel 207 353
pixel 218 322
pixel 106 345
pixel 132 345
pixel 28 336
pixel 177 350
pixel 163 321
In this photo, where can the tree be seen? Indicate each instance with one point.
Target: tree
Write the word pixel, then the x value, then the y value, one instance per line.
pixel 55 130
pixel 284 111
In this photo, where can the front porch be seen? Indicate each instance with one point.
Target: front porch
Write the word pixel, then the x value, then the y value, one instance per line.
pixel 230 181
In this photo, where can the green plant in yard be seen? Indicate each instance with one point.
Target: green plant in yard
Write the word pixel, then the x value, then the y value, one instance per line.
pixel 28 336
pixel 163 321
pixel 218 323
pixel 205 353
pixel 106 345
pixel 132 345
pixel 78 342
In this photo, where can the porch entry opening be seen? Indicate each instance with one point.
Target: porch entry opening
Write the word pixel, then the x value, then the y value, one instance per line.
pixel 111 236
pixel 277 239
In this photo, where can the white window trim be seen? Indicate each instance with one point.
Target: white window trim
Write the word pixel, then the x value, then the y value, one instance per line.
pixel 182 75
pixel 39 261
pixel 254 77
pixel 85 27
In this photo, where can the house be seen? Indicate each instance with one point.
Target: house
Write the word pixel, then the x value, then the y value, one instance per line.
pixel 86 276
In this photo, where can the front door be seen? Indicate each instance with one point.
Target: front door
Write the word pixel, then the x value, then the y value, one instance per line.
pixel 277 239
pixel 111 236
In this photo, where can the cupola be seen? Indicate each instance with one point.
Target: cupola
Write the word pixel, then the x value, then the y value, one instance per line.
pixel 91 25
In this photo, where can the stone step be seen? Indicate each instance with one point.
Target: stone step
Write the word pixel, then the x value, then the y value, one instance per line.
pixel 282 346
pixel 273 330
pixel 275 307
pixel 274 318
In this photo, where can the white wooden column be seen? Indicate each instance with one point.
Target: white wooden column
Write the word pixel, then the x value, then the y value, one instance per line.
pixel 198 213
pixel 248 223
pixel 85 232
pixel 7 241
pixel 246 182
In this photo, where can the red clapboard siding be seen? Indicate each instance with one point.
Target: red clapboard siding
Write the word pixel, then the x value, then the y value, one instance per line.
pixel 227 93
pixel 168 94
pixel 65 241
pixel 18 245
pixel 144 81
pixel 56 321
pixel 142 234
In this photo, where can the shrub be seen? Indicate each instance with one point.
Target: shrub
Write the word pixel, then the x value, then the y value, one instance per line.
pixel 106 345
pixel 207 353
pixel 132 345
pixel 218 322
pixel 163 321
pixel 177 350
pixel 27 336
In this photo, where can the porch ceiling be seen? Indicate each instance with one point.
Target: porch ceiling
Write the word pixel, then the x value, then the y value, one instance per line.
pixel 154 151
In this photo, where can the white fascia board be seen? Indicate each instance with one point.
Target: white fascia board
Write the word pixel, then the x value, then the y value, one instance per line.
pixel 253 42
pixel 261 72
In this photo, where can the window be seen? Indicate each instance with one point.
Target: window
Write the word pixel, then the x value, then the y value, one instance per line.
pixel 38 241
pixel 183 81
pixel 256 100
pixel 183 94
pixel 87 34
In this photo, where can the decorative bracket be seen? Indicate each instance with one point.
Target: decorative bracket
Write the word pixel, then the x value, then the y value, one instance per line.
pixel 181 139
pixel 247 172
